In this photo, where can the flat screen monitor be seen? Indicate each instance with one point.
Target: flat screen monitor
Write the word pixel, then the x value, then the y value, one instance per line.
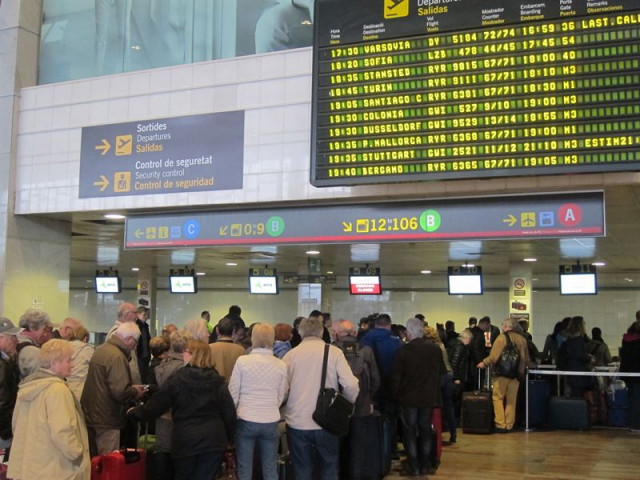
pixel 265 285
pixel 465 284
pixel 365 285
pixel 183 284
pixel 578 284
pixel 107 284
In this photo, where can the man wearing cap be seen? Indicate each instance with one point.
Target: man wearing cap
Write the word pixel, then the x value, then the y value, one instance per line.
pixel 8 380
pixel 37 329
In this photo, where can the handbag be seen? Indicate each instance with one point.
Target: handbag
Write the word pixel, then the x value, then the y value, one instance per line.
pixel 333 411
pixel 509 361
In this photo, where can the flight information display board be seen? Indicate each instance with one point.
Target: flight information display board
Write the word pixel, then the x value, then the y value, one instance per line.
pixel 412 90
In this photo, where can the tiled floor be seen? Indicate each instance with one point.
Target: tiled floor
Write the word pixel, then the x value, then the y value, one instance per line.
pixel 600 453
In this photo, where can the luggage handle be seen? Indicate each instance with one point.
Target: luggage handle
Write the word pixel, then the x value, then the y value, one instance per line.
pixel 488 383
pixel 131 455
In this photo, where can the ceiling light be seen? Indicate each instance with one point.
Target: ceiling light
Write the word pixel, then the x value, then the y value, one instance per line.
pixel 365 252
pixel 185 256
pixel 627 279
pixel 468 265
pixel 329 273
pixel 200 274
pixel 598 264
pixel 231 264
pixel 529 259
pixel 114 216
pixel 135 269
pixel 312 252
pixel 425 272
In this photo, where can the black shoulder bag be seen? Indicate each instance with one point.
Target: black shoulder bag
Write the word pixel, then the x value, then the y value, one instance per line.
pixel 508 364
pixel 333 411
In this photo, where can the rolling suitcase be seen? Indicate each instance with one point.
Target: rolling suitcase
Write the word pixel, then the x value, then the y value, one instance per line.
pixel 159 464
pixel 568 413
pixel 436 438
pixel 477 409
pixel 384 442
pixel 539 395
pixel 125 464
pixel 597 404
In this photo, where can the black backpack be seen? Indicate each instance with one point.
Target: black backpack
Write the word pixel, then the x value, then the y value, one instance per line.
pixel 355 359
pixel 508 364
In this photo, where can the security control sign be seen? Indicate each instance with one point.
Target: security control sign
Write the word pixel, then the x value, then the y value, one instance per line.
pixel 172 155
pixel 540 216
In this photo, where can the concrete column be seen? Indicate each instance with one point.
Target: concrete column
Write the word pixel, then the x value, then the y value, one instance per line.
pixel 521 293
pixel 34 252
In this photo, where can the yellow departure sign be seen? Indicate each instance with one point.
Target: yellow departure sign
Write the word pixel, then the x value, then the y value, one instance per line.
pixel 556 95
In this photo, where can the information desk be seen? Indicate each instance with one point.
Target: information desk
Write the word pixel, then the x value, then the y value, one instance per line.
pixel 464 88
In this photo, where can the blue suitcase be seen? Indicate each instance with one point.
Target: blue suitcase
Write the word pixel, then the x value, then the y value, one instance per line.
pixel 618 417
pixel 539 395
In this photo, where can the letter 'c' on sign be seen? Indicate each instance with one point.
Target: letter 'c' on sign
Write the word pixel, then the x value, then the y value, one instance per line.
pixel 569 214
pixel 191 228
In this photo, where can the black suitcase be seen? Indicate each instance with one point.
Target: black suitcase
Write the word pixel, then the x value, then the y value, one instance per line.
pixel 159 464
pixel 477 410
pixel 568 413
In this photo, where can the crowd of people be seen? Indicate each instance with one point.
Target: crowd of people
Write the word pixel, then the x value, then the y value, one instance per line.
pixel 208 388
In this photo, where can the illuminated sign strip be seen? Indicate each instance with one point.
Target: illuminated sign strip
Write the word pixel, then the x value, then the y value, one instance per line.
pixel 495 217
pixel 549 97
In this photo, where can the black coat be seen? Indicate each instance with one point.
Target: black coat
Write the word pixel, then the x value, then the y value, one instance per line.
pixel 459 356
pixel 204 416
pixel 479 349
pixel 574 358
pixel 143 351
pixel 8 394
pixel 630 356
pixel 415 375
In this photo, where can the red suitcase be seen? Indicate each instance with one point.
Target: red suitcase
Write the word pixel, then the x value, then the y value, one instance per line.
pixel 125 464
pixel 436 438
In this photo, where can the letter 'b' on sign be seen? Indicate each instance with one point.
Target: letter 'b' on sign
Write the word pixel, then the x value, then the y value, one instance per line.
pixel 430 220
pixel 569 214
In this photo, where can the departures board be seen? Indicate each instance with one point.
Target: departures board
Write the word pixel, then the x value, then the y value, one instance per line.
pixel 413 90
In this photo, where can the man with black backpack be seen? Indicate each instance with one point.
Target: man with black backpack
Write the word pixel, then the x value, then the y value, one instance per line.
pixel 363 433
pixel 509 356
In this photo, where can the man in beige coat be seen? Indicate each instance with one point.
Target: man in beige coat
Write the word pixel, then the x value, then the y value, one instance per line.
pixel 505 389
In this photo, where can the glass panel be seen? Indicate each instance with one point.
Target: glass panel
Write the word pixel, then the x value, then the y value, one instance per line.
pixel 83 38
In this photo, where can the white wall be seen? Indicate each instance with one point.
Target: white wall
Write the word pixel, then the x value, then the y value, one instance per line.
pixel 273 89
pixel 611 310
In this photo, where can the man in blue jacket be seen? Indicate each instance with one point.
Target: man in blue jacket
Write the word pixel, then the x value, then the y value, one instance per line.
pixel 385 346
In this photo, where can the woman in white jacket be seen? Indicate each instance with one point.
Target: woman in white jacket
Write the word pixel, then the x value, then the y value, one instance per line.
pixel 49 434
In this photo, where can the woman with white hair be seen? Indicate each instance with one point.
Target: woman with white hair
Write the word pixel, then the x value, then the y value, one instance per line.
pixel 258 387
pixel 50 438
